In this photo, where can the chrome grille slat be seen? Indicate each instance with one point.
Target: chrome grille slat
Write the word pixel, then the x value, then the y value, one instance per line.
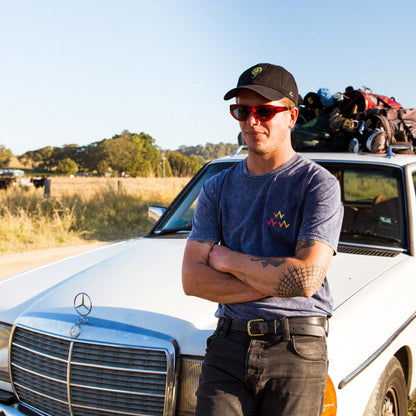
pixel 80 411
pixel 117 368
pixel 38 374
pixel 44 403
pixel 37 392
pixel 38 364
pixel 41 385
pixel 115 357
pixel 86 379
pixel 37 353
pixel 133 382
pixel 83 386
pixel 117 402
pixel 59 349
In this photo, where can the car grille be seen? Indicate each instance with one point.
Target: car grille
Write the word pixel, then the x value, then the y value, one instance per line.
pixel 63 377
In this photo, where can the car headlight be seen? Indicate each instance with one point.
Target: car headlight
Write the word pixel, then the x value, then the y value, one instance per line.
pixel 5 331
pixel 188 383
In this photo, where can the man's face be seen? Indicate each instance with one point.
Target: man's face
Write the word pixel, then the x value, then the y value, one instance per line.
pixel 266 137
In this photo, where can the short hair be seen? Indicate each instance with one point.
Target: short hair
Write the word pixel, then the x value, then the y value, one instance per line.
pixel 287 102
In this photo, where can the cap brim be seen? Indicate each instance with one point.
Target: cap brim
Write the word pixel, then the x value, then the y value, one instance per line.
pixel 266 92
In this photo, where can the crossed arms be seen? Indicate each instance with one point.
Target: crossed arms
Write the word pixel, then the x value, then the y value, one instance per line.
pixel 218 274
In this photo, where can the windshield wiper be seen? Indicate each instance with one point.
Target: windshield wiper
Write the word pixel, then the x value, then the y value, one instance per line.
pixel 177 230
pixel 371 234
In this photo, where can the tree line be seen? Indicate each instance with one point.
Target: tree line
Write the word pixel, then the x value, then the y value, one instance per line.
pixel 126 154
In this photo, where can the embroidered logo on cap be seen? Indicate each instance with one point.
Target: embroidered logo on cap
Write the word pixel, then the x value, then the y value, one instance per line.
pixel 256 71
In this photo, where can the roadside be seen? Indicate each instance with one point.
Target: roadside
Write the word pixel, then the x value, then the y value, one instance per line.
pixel 11 264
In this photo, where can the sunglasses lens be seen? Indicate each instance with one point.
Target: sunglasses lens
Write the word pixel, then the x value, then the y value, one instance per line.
pixel 263 113
pixel 240 112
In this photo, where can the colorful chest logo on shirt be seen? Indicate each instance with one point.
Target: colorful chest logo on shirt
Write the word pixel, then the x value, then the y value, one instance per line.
pixel 277 220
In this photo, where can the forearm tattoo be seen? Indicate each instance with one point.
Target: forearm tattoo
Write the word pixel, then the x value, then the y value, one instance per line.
pixel 299 279
pixel 269 262
pixel 295 280
pixel 304 244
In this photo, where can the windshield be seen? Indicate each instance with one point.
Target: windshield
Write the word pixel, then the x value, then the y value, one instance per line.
pixel 179 218
pixel 373 198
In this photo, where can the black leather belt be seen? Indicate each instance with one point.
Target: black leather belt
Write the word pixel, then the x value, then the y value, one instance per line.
pixel 309 325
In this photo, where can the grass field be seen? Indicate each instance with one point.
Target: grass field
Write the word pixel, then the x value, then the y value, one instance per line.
pixel 79 210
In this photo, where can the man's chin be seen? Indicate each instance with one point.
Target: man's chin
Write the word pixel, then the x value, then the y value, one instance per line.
pixel 256 149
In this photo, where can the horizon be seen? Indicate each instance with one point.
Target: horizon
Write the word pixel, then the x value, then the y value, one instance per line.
pixel 107 138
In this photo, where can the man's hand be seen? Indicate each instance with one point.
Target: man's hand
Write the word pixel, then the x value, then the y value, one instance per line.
pixel 218 257
pixel 200 279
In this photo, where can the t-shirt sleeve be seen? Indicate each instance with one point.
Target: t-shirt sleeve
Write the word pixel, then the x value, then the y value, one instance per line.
pixel 205 225
pixel 323 212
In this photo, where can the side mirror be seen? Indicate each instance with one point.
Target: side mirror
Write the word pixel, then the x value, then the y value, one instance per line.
pixel 154 213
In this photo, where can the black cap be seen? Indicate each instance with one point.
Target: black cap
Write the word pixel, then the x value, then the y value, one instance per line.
pixel 271 81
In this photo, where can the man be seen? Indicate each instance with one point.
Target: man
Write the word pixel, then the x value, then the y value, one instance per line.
pixel 264 233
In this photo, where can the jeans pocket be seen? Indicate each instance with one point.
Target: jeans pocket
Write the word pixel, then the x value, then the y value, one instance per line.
pixel 210 341
pixel 309 348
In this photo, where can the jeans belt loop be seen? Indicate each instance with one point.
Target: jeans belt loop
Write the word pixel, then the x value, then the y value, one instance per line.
pixel 285 329
pixel 223 326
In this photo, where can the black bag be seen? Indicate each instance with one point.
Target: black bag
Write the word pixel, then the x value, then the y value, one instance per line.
pixel 398 124
pixel 315 136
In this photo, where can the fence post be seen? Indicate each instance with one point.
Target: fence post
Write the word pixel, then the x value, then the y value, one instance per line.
pixel 47 191
pixel 120 186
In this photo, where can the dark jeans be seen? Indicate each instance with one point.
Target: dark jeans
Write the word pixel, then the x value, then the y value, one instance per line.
pixel 267 376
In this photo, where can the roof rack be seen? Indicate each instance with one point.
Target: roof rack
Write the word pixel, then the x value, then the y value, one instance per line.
pixel 390 149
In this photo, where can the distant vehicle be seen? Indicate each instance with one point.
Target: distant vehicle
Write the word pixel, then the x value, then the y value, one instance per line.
pixel 8 177
pixel 110 332
pixel 14 173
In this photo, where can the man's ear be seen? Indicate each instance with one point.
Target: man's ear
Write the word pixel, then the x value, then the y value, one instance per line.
pixel 294 112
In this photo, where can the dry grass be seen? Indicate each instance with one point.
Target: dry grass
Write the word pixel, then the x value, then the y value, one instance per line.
pixel 155 190
pixel 79 210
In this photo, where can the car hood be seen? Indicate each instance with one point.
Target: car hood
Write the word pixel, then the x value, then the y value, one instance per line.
pixel 350 273
pixel 139 290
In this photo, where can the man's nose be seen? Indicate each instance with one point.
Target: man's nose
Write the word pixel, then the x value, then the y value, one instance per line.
pixel 251 120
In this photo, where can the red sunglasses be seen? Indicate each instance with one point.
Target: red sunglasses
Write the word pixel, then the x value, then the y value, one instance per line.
pixel 262 113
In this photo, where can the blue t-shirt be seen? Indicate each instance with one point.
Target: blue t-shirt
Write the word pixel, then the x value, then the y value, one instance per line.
pixel 265 215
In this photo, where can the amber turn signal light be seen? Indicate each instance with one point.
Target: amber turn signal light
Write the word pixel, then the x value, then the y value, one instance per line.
pixel 330 400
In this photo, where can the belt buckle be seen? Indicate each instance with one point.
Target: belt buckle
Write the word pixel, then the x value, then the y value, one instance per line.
pixel 249 327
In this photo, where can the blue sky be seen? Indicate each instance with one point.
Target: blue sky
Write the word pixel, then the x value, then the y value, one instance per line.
pixel 76 72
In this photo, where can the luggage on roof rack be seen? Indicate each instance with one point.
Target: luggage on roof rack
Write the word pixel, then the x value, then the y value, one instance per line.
pixel 356 120
pixel 358 101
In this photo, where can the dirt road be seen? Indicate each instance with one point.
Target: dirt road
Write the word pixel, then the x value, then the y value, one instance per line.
pixel 11 264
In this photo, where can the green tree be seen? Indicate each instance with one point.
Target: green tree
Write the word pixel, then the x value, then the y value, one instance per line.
pixel 209 151
pixel 41 159
pixel 182 165
pixel 131 153
pixel 67 166
pixel 5 155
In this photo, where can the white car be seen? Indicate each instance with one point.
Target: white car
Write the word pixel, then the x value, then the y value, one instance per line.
pixel 110 332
